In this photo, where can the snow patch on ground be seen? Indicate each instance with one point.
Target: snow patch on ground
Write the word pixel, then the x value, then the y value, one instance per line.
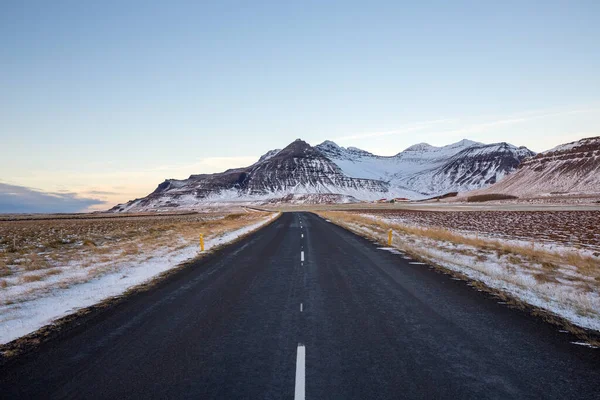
pixel 21 318
pixel 585 344
pixel 392 250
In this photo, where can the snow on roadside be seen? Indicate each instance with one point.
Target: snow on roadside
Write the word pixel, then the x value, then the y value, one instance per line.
pixel 569 297
pixel 538 243
pixel 21 318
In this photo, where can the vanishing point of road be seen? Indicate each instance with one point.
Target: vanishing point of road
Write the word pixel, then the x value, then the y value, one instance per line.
pixel 305 309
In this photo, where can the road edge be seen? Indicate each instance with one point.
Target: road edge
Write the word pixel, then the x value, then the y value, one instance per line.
pixel 26 344
pixel 590 336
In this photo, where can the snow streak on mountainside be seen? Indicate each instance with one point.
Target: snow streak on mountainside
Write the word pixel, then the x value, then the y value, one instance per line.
pixel 569 169
pixel 431 170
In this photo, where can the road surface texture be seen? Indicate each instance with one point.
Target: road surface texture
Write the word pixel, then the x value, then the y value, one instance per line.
pixel 350 321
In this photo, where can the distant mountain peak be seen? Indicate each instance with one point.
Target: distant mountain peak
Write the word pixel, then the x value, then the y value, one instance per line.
pixel 426 147
pixel 298 148
pixel 269 154
pixel 332 149
pixel 420 147
pixel 358 151
pixel 465 143
pixel 329 143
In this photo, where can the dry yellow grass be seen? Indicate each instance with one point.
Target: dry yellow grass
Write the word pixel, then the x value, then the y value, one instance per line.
pixel 92 242
pixel 34 262
pixel 4 269
pixel 31 278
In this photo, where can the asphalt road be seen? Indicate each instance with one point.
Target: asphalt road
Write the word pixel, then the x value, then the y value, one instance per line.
pixel 371 326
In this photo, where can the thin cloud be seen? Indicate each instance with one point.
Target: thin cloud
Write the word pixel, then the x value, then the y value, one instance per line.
pixel 405 129
pixel 510 120
pixel 20 199
pixel 101 193
pixel 430 126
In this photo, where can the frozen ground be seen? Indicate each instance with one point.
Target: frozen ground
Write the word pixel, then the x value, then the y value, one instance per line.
pixel 26 315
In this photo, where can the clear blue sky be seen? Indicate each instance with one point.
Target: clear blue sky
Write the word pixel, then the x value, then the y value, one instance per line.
pixel 103 100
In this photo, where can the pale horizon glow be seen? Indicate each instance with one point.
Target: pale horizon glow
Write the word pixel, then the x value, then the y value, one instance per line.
pixel 101 102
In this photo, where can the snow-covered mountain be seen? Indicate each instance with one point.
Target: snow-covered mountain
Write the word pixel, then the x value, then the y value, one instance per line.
pixel 430 170
pixel 327 172
pixel 299 170
pixel 569 169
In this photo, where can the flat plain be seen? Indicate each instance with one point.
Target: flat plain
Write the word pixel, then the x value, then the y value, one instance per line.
pixel 578 229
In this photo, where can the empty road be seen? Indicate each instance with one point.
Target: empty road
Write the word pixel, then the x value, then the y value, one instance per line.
pixel 304 308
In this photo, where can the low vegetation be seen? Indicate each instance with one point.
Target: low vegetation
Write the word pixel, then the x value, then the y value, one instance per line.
pixel 39 253
pixel 490 197
pixel 574 229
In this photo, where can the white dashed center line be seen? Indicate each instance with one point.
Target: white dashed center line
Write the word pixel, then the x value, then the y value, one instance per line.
pixel 300 391
pixel 300 373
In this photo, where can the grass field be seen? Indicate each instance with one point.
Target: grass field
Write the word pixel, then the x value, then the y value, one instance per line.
pixel 576 229
pixel 47 252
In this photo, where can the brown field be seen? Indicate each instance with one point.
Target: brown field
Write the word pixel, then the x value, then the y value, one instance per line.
pixel 578 229
pixel 97 215
pixel 490 197
pixel 34 248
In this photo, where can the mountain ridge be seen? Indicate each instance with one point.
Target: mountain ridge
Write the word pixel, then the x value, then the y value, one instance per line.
pixel 431 170
pixel 568 169
pixel 328 172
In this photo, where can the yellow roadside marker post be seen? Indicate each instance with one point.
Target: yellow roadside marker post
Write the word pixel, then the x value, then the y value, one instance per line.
pixel 390 237
pixel 201 242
